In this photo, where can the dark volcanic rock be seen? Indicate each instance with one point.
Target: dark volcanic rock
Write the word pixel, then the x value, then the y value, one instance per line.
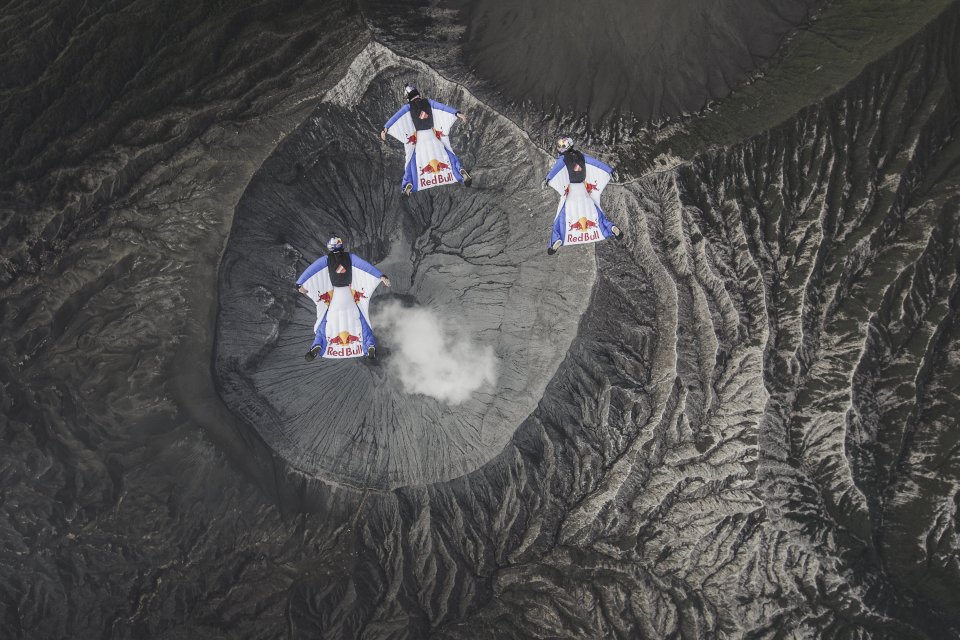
pixel 650 60
pixel 639 60
pixel 750 431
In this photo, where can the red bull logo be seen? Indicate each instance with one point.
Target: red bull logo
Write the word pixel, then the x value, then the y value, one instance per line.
pixel 357 295
pixel 583 224
pixel 344 337
pixel 325 297
pixel 439 172
pixel 412 139
pixel 583 230
pixel 344 345
pixel 434 166
pixel 438 133
pixel 591 186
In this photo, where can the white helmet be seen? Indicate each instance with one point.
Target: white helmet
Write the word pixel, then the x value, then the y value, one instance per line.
pixel 335 244
pixel 564 144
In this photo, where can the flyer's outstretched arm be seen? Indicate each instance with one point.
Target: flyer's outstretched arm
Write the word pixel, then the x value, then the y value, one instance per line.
pixel 368 268
pixel 444 116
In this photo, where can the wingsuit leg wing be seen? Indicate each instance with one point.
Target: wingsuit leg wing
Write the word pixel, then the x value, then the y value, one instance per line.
pixel 598 177
pixel 444 117
pixel 558 180
pixel 606 226
pixel 320 335
pixel 559 226
pixel 410 168
pixel 367 339
pixel 400 126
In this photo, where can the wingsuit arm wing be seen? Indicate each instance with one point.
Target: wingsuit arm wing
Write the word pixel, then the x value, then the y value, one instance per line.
pixel 558 178
pixel 364 281
pixel 598 174
pixel 400 126
pixel 444 116
pixel 316 280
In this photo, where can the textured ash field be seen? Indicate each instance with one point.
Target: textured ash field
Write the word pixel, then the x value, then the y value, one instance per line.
pixel 739 422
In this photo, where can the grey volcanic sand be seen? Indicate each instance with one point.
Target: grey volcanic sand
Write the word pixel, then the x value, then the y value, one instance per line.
pixel 474 256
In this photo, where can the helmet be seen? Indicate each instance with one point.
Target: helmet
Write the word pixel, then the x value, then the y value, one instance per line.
pixel 564 144
pixel 335 244
pixel 410 91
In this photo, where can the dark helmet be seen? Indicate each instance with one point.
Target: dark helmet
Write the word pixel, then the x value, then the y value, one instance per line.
pixel 411 92
pixel 335 244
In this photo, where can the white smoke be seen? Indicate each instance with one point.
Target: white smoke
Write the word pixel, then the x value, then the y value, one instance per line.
pixel 432 357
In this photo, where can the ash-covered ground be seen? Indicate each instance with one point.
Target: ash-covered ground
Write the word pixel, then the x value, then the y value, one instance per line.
pixel 741 421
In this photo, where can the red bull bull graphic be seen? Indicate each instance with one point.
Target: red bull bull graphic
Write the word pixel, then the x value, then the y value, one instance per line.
pixel 344 345
pixel 591 186
pixel 583 230
pixel 412 139
pixel 583 224
pixel 434 166
pixel 325 297
pixel 438 172
pixel 357 295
